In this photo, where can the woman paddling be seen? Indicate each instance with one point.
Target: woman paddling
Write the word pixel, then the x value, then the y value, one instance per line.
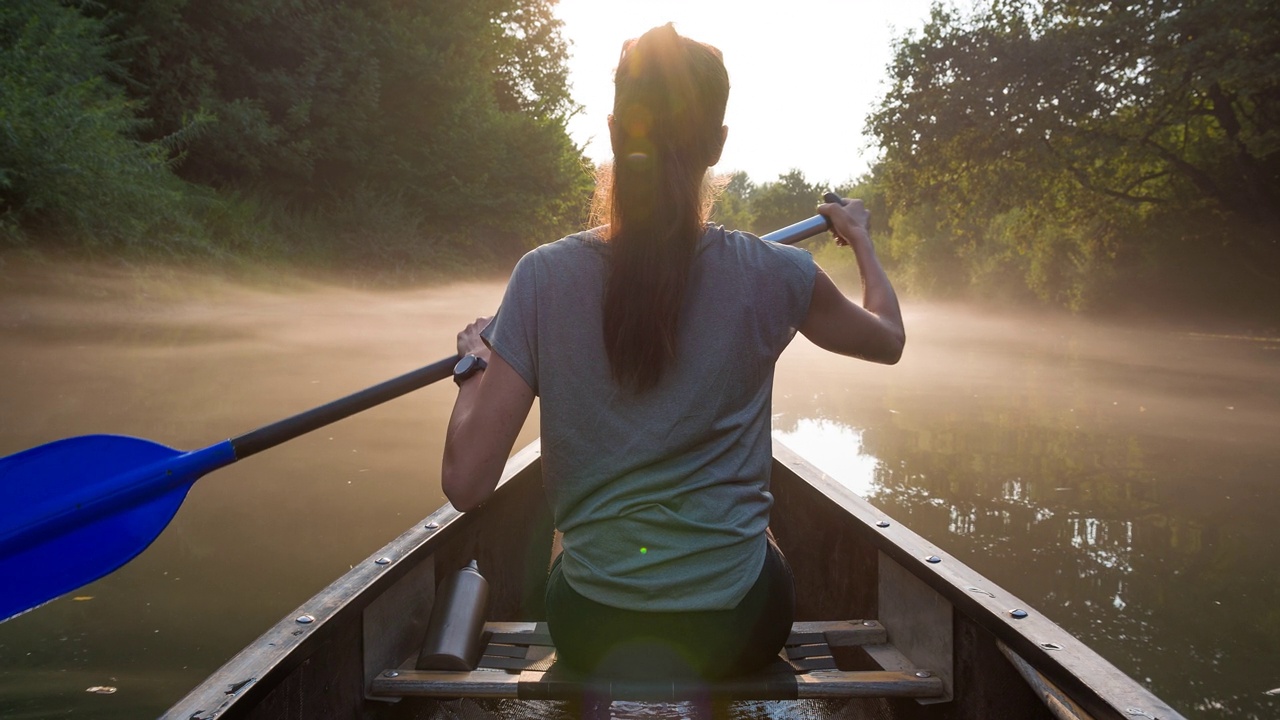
pixel 651 342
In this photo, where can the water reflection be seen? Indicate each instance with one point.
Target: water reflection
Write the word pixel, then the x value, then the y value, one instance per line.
pixel 1088 470
pixel 189 363
pixel 834 448
pixel 1119 479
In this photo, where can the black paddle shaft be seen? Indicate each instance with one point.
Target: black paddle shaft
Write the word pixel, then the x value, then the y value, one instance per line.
pixel 281 431
pixel 271 435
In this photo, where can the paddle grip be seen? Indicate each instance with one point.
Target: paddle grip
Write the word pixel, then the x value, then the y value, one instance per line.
pixel 803 230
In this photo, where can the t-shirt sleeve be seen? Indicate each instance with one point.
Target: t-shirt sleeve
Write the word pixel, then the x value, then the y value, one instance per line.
pixel 513 332
pixel 799 271
pixel 791 271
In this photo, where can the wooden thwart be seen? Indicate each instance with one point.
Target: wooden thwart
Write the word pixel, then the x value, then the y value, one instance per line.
pixel 519 663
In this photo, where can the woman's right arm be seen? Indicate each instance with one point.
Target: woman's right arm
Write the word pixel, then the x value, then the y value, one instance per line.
pixel 871 331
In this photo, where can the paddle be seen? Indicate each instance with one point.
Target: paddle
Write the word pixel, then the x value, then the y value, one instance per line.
pixel 74 510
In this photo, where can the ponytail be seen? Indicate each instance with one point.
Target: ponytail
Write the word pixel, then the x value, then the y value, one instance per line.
pixel 670 95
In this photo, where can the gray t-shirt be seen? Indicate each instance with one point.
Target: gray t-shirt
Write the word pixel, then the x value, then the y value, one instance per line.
pixel 662 496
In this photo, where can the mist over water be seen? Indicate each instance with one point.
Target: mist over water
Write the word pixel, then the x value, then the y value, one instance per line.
pixel 1119 479
pixel 188 361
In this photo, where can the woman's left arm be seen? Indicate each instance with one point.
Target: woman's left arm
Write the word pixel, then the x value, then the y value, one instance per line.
pixel 491 408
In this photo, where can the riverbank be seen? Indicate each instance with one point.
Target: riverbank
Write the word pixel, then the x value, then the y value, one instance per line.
pixel 137 277
pixel 113 275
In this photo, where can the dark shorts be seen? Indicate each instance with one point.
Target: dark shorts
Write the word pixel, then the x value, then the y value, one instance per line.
pixel 605 641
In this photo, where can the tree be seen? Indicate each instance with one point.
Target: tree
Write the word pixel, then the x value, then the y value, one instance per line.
pixel 451 110
pixel 1060 140
pixel 733 206
pixel 786 200
pixel 70 159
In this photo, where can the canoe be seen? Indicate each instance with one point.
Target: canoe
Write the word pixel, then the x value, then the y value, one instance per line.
pixel 888 626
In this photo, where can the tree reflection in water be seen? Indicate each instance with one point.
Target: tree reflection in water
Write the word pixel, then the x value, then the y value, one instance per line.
pixel 1151 534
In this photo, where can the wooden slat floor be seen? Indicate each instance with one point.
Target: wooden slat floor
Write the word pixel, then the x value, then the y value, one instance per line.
pixel 519 662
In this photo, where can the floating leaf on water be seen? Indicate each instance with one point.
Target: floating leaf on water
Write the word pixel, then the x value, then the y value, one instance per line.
pixel 82 598
pixel 101 689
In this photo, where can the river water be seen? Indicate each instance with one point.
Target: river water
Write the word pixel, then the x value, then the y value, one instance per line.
pixel 1120 478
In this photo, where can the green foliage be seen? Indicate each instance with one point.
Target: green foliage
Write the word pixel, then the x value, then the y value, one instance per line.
pixel 788 199
pixel 733 205
pixel 921 244
pixel 453 109
pixel 69 160
pixel 763 208
pixel 380 133
pixel 1056 144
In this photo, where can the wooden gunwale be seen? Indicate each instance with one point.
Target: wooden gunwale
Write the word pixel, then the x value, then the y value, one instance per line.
pixel 246 685
pixel 1091 681
pixel 244 680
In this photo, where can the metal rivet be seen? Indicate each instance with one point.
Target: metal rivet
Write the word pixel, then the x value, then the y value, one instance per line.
pixel 383 561
pixel 1018 614
pixel 306 619
pixel 433 525
pixel 933 559
pixel 1051 646
pixel 883 523
pixel 391 673
pixel 924 674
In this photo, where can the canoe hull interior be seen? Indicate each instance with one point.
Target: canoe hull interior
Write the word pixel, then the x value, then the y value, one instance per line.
pixel 846 562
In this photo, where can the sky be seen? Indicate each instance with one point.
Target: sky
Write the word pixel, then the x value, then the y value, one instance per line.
pixel 804 74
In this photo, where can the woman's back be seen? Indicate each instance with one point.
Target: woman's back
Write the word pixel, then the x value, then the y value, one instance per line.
pixel 652 350
pixel 662 495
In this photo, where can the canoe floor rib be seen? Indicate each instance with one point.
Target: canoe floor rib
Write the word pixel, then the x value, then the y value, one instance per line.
pixel 519 663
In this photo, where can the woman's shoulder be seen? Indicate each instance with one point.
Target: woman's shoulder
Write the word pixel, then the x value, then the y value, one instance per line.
pixel 571 257
pixel 587 242
pixel 752 248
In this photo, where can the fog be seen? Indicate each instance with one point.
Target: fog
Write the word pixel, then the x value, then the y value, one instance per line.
pixel 1118 477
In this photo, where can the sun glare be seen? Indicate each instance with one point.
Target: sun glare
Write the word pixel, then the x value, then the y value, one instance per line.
pixel 805 74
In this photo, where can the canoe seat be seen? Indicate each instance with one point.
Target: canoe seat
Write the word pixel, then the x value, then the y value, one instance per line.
pixel 519 663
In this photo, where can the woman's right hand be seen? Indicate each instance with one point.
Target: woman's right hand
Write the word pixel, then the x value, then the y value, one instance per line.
pixel 850 221
pixel 873 331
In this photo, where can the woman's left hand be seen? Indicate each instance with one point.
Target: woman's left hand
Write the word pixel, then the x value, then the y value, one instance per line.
pixel 470 342
pixel 486 419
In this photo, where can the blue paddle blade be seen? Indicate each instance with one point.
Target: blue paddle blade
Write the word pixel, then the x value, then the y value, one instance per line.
pixel 74 510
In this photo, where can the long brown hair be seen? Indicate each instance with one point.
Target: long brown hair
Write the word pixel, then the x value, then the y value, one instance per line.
pixel 668 110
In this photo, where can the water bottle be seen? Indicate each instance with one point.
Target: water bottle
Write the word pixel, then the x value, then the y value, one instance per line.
pixel 456 629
